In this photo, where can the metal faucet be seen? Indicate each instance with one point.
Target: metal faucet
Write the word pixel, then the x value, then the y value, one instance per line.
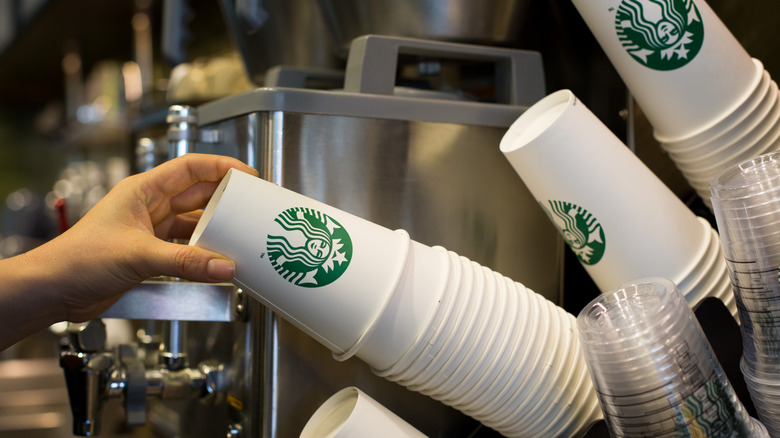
pixel 93 375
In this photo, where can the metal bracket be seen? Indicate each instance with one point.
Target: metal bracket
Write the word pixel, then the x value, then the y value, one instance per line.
pixel 177 301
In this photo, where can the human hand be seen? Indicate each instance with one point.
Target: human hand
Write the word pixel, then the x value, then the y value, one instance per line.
pixel 123 240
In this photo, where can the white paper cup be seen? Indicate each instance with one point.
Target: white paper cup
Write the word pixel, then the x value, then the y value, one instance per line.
pixel 760 120
pixel 537 377
pixel 759 106
pixel 681 63
pixel 480 353
pixel 744 115
pixel 326 271
pixel 402 366
pixel 433 347
pixel 415 301
pixel 350 413
pixel 496 392
pixel 496 352
pixel 472 340
pixel 751 143
pixel 455 343
pixel 530 350
pixel 616 215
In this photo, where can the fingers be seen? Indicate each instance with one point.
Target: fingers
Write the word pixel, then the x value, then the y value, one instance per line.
pixel 185 184
pixel 175 176
pixel 184 224
pixel 190 263
pixel 194 197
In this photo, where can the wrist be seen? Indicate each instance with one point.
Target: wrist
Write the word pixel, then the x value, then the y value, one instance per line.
pixel 40 281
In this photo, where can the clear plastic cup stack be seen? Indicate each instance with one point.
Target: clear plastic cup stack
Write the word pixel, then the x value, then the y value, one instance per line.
pixel 653 369
pixel 746 202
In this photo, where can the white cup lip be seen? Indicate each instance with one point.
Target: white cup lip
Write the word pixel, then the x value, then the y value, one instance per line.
pixel 753 143
pixel 532 353
pixel 719 286
pixel 462 359
pixel 756 132
pixel 405 367
pixel 745 120
pixel 388 297
pixel 501 343
pixel 449 340
pixel 514 348
pixel 477 369
pixel 703 263
pixel 704 247
pixel 536 120
pixel 756 81
pixel 346 398
pixel 211 207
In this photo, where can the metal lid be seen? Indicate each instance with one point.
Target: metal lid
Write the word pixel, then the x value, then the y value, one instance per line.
pixel 369 87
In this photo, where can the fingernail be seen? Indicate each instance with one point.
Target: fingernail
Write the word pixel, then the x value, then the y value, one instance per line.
pixel 220 269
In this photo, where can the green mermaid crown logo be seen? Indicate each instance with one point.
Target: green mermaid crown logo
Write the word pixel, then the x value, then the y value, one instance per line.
pixel 581 231
pixel 661 34
pixel 313 249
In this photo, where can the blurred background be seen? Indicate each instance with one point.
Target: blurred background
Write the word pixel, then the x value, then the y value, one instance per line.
pixel 85 88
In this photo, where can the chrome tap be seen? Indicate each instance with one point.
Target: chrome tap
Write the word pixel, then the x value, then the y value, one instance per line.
pixel 94 375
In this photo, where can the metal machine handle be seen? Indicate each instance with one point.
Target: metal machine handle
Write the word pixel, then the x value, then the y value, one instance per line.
pixel 372 62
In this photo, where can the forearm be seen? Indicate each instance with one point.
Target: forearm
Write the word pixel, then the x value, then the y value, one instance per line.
pixel 29 300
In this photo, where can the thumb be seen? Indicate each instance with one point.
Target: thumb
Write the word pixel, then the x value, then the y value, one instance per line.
pixel 191 263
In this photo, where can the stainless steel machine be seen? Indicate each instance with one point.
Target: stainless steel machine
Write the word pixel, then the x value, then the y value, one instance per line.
pixel 411 142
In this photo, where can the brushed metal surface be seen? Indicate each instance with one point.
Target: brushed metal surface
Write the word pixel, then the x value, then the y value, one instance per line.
pixel 176 300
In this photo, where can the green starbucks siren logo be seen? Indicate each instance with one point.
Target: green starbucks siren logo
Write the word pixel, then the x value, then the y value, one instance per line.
pixel 313 249
pixel 661 34
pixel 581 231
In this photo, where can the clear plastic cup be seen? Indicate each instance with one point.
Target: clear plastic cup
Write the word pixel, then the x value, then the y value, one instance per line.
pixel 764 389
pixel 746 202
pixel 679 387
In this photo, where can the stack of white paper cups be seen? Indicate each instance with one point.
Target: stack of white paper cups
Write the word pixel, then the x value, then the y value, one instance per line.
pixel 424 317
pixel 710 104
pixel 351 413
pixel 502 354
pixel 620 220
